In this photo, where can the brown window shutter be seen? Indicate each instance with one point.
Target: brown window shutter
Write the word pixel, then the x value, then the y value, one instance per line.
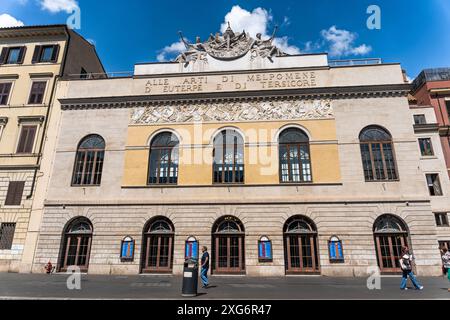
pixel 26 139
pixel 3 55
pixel 22 140
pixel 36 54
pixel 30 139
pixel 15 193
pixel 55 53
pixel 21 57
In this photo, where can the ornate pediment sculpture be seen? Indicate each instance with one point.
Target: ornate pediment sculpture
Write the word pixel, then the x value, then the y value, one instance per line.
pixel 229 46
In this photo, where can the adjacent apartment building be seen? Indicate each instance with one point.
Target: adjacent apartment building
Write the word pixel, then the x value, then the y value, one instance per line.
pixel 32 59
pixel 280 164
pixel 432 88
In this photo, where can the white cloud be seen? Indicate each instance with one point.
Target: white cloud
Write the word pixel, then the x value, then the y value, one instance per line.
pixel 283 45
pixel 252 22
pixel 342 42
pixel 256 22
pixel 7 21
pixel 170 51
pixel 55 6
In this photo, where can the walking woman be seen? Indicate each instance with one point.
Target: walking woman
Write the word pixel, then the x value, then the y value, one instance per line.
pixel 446 261
pixel 406 262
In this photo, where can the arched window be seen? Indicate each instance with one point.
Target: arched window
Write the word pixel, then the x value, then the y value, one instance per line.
pixel 390 235
pixel 228 246
pixel 89 161
pixel 294 156
pixel 300 245
pixel 163 159
pixel 77 244
pixel 228 156
pixel 377 151
pixel 158 246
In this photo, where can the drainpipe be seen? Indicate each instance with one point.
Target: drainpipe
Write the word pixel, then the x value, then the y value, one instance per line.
pixel 50 105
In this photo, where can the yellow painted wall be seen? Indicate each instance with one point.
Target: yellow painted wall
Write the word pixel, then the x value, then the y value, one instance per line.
pixel 21 77
pixel 261 151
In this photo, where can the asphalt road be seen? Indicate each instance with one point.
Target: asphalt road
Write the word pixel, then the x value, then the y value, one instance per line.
pixel 149 287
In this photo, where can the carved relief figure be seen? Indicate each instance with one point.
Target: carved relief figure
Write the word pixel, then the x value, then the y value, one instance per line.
pixel 234 111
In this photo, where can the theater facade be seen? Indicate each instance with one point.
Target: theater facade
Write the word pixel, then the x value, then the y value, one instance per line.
pixel 279 164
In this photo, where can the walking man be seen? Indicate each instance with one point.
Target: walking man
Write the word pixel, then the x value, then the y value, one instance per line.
pixel 446 261
pixel 205 266
pixel 406 262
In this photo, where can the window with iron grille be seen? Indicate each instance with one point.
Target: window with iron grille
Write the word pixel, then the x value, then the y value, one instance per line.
pixel 26 139
pixel 434 185
pixel 441 219
pixel 228 153
pixel 294 156
pixel 163 164
pixel 15 193
pixel 5 89
pixel 377 152
pixel 89 161
pixel 419 119
pixel 426 148
pixel 7 235
pixel 37 92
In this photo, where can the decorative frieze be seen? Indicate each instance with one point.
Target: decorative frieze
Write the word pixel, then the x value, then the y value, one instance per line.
pixel 234 111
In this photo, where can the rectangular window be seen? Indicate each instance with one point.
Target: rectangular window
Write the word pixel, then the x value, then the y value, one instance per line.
pixel 419 119
pixel 5 89
pixel 426 147
pixel 37 92
pixel 7 235
pixel 47 53
pixel 12 55
pixel 15 193
pixel 434 185
pixel 441 219
pixel 26 140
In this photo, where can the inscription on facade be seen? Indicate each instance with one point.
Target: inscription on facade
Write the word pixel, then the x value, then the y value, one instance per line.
pixel 237 82
pixel 234 111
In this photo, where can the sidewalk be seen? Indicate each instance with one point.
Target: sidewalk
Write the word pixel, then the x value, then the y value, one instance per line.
pixel 34 286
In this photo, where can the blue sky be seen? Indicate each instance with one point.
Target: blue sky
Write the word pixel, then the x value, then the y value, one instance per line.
pixel 413 32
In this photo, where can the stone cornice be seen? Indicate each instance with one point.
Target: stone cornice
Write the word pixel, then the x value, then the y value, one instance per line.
pixel 376 91
pixel 424 128
pixel 38 119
